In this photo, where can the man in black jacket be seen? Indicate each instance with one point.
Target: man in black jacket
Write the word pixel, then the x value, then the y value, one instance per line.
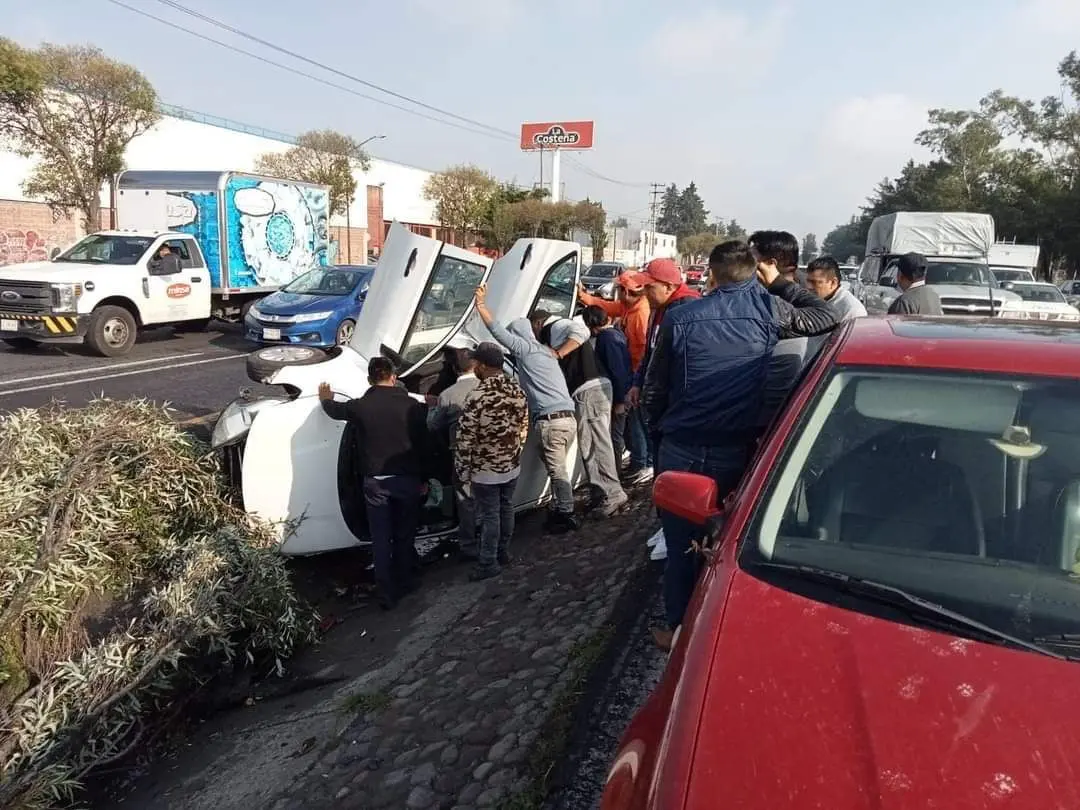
pixel 917 298
pixel 392 429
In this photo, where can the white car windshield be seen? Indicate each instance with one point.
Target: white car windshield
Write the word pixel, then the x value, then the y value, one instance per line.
pixel 961 488
pixel 1011 274
pixel 106 249
pixel 1042 293
pixel 979 275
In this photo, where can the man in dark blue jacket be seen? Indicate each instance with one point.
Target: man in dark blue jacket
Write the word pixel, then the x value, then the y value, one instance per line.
pixel 704 389
pixel 613 355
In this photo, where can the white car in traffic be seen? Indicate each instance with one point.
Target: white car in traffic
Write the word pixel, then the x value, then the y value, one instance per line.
pixel 296 468
pixel 1041 302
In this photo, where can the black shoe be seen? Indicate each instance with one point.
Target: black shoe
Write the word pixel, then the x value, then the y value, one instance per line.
pixel 479 574
pixel 503 557
pixel 387 601
pixel 562 522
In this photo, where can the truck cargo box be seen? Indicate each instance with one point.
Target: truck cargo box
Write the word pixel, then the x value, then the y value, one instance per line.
pixel 257 233
pixel 958 234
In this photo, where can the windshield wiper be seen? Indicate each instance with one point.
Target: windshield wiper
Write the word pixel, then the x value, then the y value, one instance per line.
pixel 923 611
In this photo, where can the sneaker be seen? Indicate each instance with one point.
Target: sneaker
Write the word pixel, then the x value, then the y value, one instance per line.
pixel 561 522
pixel 659 551
pixel 608 510
pixel 656 538
pixel 480 573
pixel 503 557
pixel 637 475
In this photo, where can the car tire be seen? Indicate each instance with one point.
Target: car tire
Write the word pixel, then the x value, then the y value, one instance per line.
pixel 265 362
pixel 22 344
pixel 112 331
pixel 345 331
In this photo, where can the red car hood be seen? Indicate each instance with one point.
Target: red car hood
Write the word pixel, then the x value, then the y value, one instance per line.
pixel 812 706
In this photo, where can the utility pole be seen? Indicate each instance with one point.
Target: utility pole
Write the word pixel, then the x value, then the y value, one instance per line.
pixel 654 205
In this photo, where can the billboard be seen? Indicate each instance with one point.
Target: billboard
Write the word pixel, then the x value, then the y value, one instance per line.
pixel 575 135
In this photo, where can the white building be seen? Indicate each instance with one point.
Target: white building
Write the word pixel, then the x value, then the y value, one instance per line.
pixel 185 140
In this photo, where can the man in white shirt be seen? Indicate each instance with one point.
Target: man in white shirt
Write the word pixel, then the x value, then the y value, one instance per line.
pixel 823 277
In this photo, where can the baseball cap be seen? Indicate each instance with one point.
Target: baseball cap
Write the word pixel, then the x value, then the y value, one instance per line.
pixel 630 281
pixel 664 271
pixel 490 355
pixel 911 264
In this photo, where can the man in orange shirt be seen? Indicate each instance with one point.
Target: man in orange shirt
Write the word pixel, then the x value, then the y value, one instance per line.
pixel 633 309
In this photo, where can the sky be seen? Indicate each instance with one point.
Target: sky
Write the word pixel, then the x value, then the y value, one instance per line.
pixel 785 113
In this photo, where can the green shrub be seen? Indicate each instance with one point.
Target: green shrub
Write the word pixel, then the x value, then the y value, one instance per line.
pixel 122 565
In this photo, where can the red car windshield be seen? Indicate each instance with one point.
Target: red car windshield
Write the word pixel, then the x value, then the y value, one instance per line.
pixel 961 488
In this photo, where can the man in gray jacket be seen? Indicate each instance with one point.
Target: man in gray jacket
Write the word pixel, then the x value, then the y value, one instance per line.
pixel 442 420
pixel 551 409
pixel 917 298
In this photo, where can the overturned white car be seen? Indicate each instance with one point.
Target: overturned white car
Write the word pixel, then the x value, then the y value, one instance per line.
pixel 296 467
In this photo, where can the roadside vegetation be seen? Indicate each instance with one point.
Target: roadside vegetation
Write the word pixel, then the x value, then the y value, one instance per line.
pixel 127 580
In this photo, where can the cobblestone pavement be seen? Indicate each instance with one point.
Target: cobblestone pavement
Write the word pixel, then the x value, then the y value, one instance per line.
pixel 467 696
pixel 462 729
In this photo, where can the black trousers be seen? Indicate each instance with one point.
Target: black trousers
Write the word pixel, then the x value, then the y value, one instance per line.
pixel 393 512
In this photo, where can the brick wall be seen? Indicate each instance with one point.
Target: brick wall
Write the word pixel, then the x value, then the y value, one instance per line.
pixel 28 232
pixel 375 218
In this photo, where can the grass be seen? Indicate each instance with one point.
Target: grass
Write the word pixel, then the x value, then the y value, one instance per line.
pixel 555 737
pixel 365 702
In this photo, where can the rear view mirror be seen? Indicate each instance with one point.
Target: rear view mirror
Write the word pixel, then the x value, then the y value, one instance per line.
pixel 690 496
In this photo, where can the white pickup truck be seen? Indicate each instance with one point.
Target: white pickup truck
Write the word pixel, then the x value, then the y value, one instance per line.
pixel 194 246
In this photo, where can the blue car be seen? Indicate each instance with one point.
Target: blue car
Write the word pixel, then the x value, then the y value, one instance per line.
pixel 318 308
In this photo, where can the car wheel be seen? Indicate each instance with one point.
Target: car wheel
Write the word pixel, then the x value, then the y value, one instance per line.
pixel 112 331
pixel 345 331
pixel 21 343
pixel 264 363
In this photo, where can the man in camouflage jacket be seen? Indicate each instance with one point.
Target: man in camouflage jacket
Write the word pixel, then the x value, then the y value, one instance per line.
pixel 491 434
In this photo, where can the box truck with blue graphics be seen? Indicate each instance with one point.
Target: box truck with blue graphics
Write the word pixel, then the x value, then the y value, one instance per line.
pixel 190 246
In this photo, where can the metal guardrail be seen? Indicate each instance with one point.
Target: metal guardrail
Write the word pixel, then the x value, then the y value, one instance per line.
pixel 175 111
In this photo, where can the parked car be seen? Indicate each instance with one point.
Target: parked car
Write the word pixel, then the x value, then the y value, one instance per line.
pixel 696 275
pixel 296 467
pixel 599 278
pixel 320 308
pixel 1071 289
pixel 893 589
pixel 1042 302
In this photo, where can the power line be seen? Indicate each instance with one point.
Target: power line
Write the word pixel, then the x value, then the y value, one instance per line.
pixel 469 125
pixel 315 63
pixel 299 72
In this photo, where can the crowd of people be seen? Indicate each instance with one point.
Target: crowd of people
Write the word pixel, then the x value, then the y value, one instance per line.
pixel 665 377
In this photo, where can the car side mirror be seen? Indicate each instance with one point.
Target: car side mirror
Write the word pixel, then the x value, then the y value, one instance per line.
pixel 886 281
pixel 158 267
pixel 691 496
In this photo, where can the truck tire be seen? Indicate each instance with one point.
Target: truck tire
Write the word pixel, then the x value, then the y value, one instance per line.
pixel 112 331
pixel 264 362
pixel 22 344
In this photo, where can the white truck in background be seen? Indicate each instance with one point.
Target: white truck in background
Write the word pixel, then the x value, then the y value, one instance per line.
pixel 1011 262
pixel 234 238
pixel 956 246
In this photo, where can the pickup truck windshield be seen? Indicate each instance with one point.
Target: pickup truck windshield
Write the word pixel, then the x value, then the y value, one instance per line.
pixel 102 249
pixel 978 275
pixel 1011 274
pixel 958 487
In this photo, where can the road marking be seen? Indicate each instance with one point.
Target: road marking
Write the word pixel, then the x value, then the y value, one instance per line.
pixel 96 369
pixel 32 388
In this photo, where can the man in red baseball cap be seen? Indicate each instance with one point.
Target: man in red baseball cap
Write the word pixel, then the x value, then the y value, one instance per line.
pixel 665 288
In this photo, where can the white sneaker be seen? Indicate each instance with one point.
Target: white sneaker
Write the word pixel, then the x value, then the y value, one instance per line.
pixel 659 551
pixel 641 476
pixel 656 538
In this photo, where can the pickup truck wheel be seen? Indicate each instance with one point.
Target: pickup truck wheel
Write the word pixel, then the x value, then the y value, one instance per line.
pixel 262 364
pixel 22 344
pixel 112 331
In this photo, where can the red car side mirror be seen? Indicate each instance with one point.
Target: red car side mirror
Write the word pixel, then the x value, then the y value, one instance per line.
pixel 690 496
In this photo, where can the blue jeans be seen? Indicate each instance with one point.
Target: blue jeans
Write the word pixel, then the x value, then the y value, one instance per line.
pixel 725 465
pixel 637 440
pixel 494 505
pixel 393 513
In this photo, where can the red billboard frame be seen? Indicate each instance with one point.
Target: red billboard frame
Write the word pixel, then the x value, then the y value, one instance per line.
pixel 567 135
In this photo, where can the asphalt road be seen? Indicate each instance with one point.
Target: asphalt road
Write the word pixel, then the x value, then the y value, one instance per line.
pixel 196 374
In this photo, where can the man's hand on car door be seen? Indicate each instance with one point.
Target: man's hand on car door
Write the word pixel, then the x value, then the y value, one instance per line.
pixel 325 394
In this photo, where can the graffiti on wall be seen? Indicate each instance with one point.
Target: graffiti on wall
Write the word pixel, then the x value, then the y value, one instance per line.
pixel 18 246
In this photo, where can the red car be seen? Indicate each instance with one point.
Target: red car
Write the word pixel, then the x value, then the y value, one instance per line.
pixel 695 275
pixel 891 615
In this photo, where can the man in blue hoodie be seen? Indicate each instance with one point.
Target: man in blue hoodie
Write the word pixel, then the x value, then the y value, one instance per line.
pixel 704 390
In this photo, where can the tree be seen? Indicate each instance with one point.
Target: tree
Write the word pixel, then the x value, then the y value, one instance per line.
pixel 846 240
pixel 698 246
pixel 75 111
pixel 324 157
pixel 462 196
pixel 590 217
pixel 668 222
pixel 693 216
pixel 734 230
pixel 500 230
pixel 809 247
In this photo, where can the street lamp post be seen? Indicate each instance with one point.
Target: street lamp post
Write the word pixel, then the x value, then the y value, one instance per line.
pixel 348 206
